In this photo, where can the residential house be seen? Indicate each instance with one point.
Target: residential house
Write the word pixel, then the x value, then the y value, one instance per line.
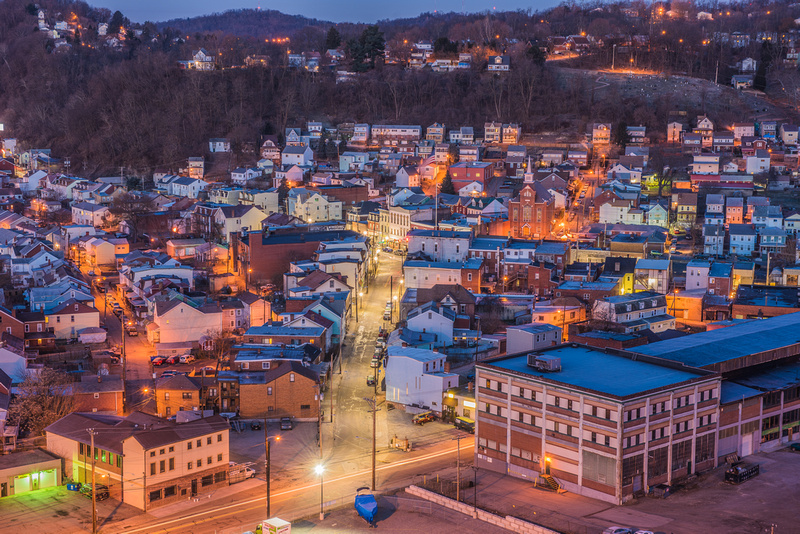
pixel 435 320
pixel 697 274
pixel 499 63
pixel 286 389
pixel 734 210
pixel 531 337
pixel 758 163
pixel 686 208
pixel 713 239
pixel 300 155
pixel 90 214
pixel 653 275
pixel 416 378
pixel 70 317
pixel 767 216
pixel 789 134
pixel 643 310
pixel 771 240
pixel 219 145
pixel 742 239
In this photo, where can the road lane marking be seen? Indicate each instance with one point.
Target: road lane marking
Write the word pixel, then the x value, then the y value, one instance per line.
pixel 430 456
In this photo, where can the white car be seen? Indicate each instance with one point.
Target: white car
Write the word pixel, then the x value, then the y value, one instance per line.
pixel 618 530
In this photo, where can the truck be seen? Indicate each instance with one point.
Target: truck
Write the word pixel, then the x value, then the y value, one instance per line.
pixel 739 472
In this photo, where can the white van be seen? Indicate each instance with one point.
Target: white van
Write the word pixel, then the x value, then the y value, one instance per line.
pixel 187 358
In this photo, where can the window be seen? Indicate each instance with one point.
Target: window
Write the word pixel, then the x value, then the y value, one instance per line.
pixel 219 457
pixel 682 427
pixel 152 468
pixel 207 480
pixel 219 438
pixel 189 466
pixel 166 396
pixel 162 466
pixel 658 433
pixel 199 442
pixel 155 495
pixel 153 453
pixel 199 463
pixel 170 491
pixel 291 377
pixel 161 451
pixel 172 464
pixel 209 460
pixel 119 461
pixel 189 446
pixel 187 395
pixel 219 477
pixel 269 390
pixel 305 406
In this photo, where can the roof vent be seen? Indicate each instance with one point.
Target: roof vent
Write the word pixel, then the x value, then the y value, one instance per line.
pixel 544 363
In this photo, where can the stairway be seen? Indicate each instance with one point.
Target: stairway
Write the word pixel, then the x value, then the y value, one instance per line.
pixel 551 482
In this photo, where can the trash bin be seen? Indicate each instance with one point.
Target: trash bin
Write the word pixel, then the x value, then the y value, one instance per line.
pixel 73 487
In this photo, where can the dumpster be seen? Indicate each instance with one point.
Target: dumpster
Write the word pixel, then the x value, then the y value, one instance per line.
pixel 367 507
pixel 73 487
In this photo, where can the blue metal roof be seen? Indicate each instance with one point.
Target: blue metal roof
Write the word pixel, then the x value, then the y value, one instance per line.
pixel 596 370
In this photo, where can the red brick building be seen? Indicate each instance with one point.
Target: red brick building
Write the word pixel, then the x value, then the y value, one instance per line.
pixel 530 214
pixel 465 172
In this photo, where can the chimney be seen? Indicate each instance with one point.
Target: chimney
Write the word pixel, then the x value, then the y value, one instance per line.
pixel 99 379
pixel 446 367
pixel 470 386
pixel 405 344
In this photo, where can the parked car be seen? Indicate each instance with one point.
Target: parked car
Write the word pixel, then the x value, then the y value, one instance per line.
pixel 158 361
pixel 371 380
pixel 380 343
pixel 286 423
pixel 375 363
pixel 464 423
pixel 101 491
pixel 187 358
pixel 207 369
pixel 174 359
pixel 255 425
pixel 424 417
pixel 618 530
pixel 131 330
pixel 794 447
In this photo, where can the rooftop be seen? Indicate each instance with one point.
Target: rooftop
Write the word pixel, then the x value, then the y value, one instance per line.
pixel 724 344
pixel 595 370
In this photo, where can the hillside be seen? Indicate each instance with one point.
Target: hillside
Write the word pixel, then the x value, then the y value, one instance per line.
pixel 244 22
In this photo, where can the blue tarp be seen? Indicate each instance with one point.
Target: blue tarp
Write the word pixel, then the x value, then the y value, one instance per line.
pixel 367 507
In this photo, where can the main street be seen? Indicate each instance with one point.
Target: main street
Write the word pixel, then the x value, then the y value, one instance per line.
pixel 346 448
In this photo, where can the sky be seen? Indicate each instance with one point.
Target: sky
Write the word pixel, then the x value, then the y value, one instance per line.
pixel 333 10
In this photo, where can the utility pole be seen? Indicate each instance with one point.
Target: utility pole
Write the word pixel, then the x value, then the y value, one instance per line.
pixel 266 445
pixel 373 403
pixel 458 468
pixel 94 484
pixel 124 365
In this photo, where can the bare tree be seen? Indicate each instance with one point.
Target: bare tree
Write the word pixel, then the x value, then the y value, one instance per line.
pixel 43 398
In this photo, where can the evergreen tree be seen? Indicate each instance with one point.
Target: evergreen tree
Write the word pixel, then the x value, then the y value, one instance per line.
pixel 333 39
pixel 117 21
pixel 621 137
pixel 447 185
pixel 283 191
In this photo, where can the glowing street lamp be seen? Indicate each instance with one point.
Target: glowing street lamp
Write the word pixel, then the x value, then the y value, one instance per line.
pixel 319 469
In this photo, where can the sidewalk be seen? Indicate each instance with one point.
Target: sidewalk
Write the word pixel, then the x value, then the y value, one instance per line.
pixel 216 497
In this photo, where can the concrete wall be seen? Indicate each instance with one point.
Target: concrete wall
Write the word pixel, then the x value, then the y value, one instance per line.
pixel 510 523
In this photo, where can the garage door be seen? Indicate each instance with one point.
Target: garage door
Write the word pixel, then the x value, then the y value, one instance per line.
pixel 22 484
pixel 747 444
pixel 47 479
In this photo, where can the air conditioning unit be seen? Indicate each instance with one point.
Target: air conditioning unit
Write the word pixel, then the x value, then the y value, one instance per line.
pixel 544 363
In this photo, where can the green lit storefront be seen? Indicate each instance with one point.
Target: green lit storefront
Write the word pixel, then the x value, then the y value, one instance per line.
pixel 28 471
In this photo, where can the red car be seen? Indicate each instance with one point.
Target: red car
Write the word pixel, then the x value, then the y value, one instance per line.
pixel 158 361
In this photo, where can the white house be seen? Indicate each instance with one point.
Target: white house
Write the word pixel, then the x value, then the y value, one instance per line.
pixel 235 219
pixel 300 155
pixel 430 318
pixel 534 336
pixel 416 377
pixel 426 274
pixel 70 317
pixel 758 163
pixel 177 321
pixel 219 145
pixel 697 274
pixel 183 186
pixel 742 239
pixel 312 206
pixel 791 224
pixel 87 213
pixel 408 176
pixel 439 245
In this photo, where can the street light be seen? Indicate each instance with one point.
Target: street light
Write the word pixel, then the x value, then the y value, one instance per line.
pixel 319 469
pixel 266 445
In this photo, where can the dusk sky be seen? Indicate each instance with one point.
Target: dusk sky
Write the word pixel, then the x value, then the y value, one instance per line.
pixel 333 10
